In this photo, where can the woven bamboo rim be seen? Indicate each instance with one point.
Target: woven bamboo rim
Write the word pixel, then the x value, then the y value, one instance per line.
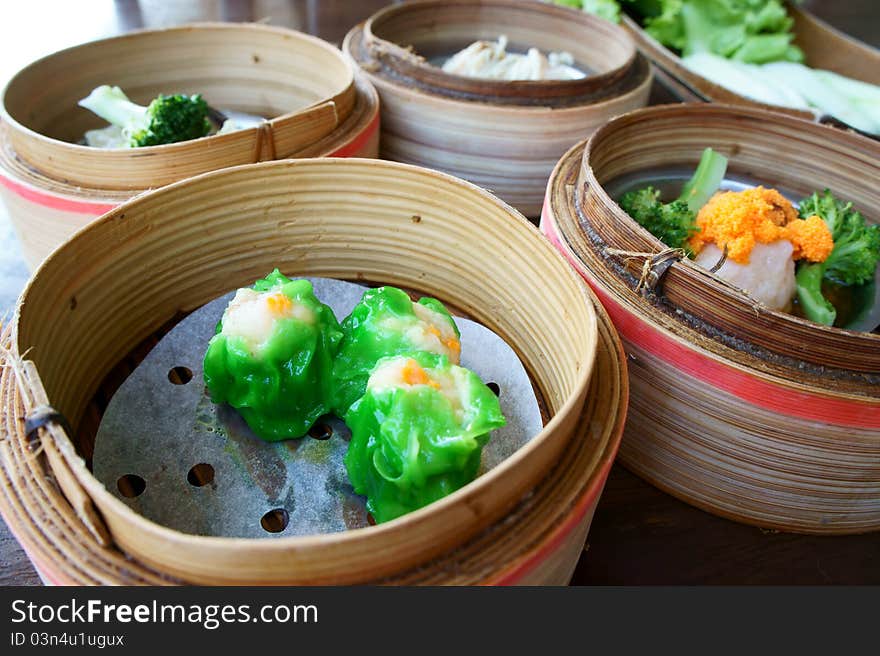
pixel 303 84
pixel 539 541
pixel 824 47
pixel 46 211
pixel 733 434
pixel 400 36
pixel 777 150
pixel 507 149
pixel 181 246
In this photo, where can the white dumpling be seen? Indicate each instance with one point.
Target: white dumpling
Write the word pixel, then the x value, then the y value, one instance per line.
pixel 490 60
pixel 768 277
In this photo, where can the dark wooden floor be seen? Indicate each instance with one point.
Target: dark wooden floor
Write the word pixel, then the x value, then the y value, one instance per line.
pixel 639 534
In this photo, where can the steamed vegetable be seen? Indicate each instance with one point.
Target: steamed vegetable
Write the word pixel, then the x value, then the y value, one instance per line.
pixel 745 79
pixel 418 432
pixel 746 46
pixel 853 260
pixel 607 9
pixel 674 223
pixel 272 356
pixel 794 85
pixel 167 119
pixel 745 30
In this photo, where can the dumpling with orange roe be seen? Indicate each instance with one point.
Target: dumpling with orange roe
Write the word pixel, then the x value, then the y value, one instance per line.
pixel 763 237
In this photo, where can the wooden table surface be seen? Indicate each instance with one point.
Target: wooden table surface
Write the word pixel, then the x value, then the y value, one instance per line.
pixel 639 535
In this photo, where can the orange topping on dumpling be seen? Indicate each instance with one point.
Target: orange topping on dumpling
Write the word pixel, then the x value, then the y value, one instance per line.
pixel 453 345
pixel 279 304
pixel 413 374
pixel 811 239
pixel 738 220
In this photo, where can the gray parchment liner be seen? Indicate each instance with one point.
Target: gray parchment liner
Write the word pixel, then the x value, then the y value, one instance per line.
pixel 158 430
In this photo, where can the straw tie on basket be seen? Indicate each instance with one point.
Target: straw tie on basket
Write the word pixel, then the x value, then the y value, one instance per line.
pixel 38 420
pixel 41 417
pixel 274 138
pixel 653 266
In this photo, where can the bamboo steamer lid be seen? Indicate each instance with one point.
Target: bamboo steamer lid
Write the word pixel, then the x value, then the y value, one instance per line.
pixel 503 136
pixel 730 412
pixel 45 210
pixel 396 224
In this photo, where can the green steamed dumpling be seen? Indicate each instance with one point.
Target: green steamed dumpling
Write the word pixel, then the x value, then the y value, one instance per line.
pixel 272 357
pixel 417 432
pixel 418 420
pixel 386 322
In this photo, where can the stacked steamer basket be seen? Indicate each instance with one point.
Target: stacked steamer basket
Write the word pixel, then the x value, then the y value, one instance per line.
pixel 98 300
pixel 824 48
pixel 504 136
pixel 314 102
pixel 748 413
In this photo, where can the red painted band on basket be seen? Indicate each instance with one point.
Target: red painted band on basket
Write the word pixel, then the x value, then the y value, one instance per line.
pixel 69 205
pixel 589 500
pixel 803 405
pixel 46 574
pixel 53 202
pixel 352 148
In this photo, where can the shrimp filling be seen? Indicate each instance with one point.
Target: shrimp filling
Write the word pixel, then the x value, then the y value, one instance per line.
pixel 252 315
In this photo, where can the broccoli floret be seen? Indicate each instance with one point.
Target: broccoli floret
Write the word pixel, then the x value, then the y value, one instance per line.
pixel 167 119
pixel 174 118
pixel 853 260
pixel 672 223
pixel 675 223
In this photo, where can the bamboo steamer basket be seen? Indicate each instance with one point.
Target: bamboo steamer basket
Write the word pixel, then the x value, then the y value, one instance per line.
pixel 52 186
pixel 750 414
pixel 538 543
pixel 503 136
pixel 824 47
pixel 396 224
